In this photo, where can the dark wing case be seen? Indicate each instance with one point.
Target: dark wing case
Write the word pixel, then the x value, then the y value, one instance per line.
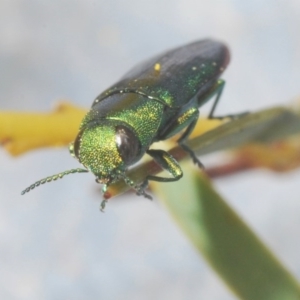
pixel 175 76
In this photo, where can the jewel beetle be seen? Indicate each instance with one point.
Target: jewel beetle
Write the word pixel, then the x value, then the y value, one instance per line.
pixel 154 101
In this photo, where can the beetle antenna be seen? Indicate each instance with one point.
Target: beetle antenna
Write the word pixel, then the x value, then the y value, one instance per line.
pixel 52 178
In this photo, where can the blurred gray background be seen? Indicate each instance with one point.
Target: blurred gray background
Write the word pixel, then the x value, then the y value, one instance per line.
pixel 54 243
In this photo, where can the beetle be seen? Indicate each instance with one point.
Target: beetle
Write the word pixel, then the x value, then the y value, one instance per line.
pixel 154 101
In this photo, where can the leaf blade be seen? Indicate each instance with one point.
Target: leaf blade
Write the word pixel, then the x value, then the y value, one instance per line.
pixel 231 248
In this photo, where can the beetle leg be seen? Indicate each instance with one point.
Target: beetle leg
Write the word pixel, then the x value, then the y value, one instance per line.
pixel 186 119
pixel 185 136
pixel 217 90
pixel 168 163
pixel 180 121
pixel 140 189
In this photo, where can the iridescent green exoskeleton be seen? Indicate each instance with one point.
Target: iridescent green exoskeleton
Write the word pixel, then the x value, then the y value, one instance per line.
pixel 154 101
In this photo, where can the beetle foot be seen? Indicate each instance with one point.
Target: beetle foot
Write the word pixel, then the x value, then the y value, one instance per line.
pixel 102 205
pixel 140 190
pixel 232 116
pixel 143 193
pixel 193 156
pixel 198 163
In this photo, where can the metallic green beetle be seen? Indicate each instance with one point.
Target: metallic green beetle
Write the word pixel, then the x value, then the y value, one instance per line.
pixel 154 101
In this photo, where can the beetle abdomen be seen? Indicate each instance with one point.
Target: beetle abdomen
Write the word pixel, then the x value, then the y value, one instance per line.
pixel 176 76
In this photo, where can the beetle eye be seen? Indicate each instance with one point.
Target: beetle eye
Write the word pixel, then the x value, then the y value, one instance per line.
pixel 127 144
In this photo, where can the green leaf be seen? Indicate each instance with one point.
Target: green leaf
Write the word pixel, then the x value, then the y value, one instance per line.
pixel 230 247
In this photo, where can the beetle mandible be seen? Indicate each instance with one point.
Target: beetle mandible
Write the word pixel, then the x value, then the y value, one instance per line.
pixel 154 101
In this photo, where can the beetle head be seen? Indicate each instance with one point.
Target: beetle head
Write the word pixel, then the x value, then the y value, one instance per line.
pixel 106 148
